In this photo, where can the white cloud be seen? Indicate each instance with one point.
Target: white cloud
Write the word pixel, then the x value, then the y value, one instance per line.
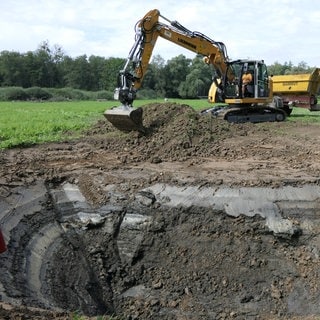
pixel 273 30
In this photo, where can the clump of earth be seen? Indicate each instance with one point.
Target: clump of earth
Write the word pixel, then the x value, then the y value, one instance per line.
pixel 196 218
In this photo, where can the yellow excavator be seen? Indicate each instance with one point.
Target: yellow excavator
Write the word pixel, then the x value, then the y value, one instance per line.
pixel 253 102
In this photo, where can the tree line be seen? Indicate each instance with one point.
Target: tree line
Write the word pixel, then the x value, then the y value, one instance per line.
pixel 49 67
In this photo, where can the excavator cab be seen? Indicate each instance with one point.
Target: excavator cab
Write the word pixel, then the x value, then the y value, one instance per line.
pixel 251 100
pixel 257 88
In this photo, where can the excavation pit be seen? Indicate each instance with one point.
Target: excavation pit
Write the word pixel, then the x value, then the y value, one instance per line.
pixel 195 219
pixel 162 249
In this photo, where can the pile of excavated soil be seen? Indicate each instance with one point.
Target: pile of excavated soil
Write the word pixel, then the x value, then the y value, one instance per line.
pixel 88 233
pixel 174 132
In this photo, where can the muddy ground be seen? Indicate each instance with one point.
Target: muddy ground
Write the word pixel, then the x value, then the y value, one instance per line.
pixel 195 219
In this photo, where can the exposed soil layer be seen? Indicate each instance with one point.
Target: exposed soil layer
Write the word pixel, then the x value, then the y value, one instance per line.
pixel 195 219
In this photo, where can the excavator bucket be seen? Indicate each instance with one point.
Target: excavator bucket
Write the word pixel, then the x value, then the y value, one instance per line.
pixel 125 118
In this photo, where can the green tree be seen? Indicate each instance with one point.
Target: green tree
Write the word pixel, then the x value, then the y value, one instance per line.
pixel 159 72
pixel 45 68
pixel 175 72
pixel 154 77
pixel 279 69
pixel 192 86
pixel 97 67
pixel 58 57
pixel 111 72
pixel 78 75
pixel 288 68
pixel 12 69
pixel 198 81
pixel 302 67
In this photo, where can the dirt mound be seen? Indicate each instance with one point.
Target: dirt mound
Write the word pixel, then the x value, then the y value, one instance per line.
pixel 176 132
pixel 173 132
pixel 90 229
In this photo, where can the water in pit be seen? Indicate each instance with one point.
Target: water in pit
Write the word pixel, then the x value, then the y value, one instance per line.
pixel 194 252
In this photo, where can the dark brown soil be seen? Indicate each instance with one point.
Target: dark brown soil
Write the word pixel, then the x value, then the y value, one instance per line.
pixel 192 262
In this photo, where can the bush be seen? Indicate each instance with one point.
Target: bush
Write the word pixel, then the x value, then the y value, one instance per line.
pixel 64 93
pixel 2 94
pixel 147 94
pixel 52 94
pixel 15 93
pixel 77 94
pixel 69 94
pixel 37 93
pixel 104 95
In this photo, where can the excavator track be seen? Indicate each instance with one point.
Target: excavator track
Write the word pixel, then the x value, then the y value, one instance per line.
pixel 125 118
pixel 252 114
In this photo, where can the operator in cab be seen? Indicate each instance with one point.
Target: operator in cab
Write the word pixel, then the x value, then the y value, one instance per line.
pixel 246 79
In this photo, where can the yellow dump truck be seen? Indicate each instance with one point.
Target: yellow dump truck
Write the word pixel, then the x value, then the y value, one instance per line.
pixel 298 90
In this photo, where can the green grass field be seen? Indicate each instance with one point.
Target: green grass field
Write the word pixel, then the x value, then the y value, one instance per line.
pixel 28 123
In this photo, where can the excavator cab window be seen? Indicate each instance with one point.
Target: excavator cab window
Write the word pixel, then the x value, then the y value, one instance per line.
pixel 233 83
pixel 263 80
pixel 232 80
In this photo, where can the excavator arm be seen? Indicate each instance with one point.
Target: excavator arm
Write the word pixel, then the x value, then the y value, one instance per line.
pixel 148 29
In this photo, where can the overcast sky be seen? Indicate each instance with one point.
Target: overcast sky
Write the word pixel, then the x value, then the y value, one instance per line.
pixel 273 30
